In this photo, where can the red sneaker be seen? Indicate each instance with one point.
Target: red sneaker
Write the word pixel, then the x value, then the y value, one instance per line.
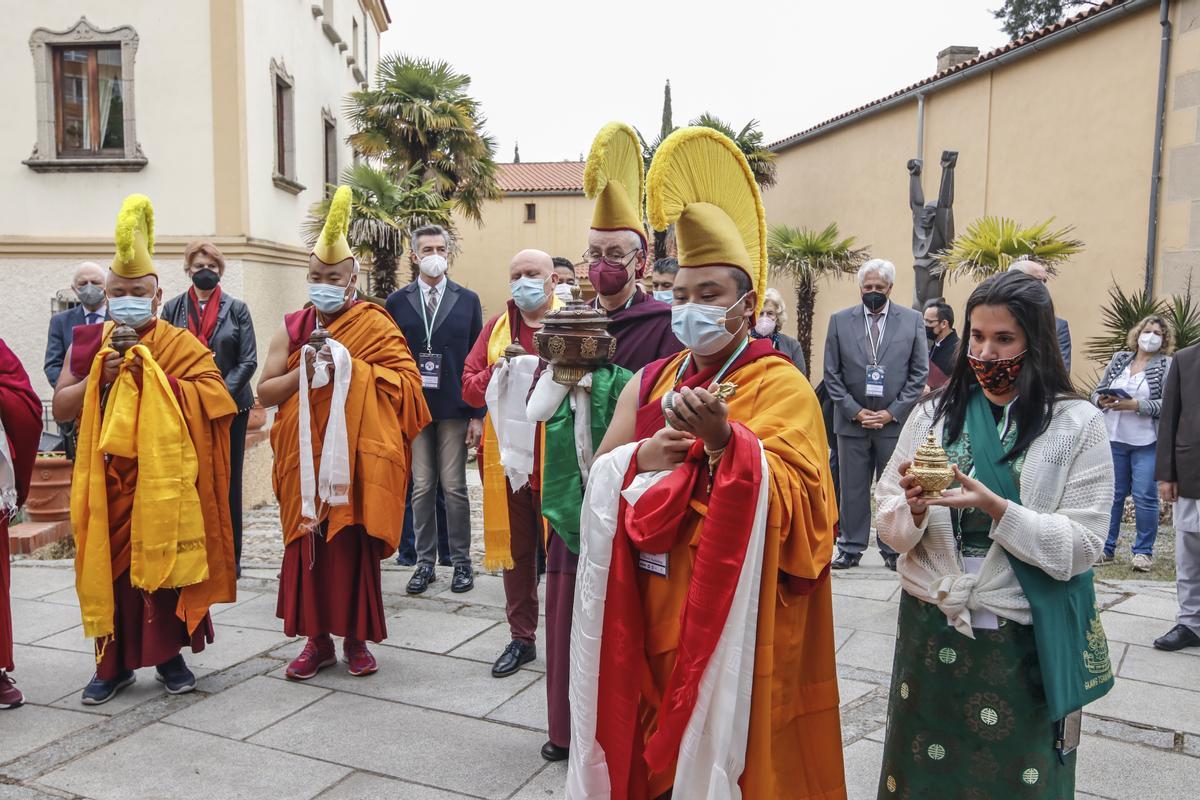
pixel 318 653
pixel 359 658
pixel 10 695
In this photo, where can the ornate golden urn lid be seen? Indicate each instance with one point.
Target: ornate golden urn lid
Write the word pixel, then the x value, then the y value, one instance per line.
pixel 931 454
pixel 931 468
pixel 575 340
pixel 123 337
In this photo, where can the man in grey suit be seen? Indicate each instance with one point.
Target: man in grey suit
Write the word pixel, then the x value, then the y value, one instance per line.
pixel 1037 271
pixel 876 362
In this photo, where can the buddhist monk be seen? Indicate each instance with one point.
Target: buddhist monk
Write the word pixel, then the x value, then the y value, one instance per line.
pixel 149 494
pixel 512 516
pixel 617 255
pixel 357 400
pixel 20 427
pixel 702 641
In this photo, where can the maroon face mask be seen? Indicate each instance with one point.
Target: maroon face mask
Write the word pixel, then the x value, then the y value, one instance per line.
pixel 607 278
pixel 999 375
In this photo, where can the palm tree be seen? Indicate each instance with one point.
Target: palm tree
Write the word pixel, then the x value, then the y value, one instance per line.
pixel 991 244
pixel 382 214
pixel 749 140
pixel 808 257
pixel 420 118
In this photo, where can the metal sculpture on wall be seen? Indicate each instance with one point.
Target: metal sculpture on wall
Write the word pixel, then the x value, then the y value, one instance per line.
pixel 933 228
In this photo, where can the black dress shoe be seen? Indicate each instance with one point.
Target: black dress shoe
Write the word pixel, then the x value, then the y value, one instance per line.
pixel 1177 638
pixel 516 654
pixel 845 560
pixel 552 752
pixel 889 560
pixel 405 560
pixel 464 579
pixel 422 576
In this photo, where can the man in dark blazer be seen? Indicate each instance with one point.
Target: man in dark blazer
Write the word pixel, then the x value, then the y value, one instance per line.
pixel 1037 271
pixel 1177 468
pixel 876 362
pixel 441 321
pixel 88 284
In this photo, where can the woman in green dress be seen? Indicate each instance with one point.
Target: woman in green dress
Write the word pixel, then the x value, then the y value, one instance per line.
pixel 981 705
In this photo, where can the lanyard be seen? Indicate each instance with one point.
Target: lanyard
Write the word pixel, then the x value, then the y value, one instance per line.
pixel 871 340
pixel 687 360
pixel 428 322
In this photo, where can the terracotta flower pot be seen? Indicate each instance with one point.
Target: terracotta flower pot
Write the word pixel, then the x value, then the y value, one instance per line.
pixel 50 489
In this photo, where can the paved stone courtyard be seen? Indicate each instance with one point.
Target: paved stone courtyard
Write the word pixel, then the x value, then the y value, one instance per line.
pixel 433 724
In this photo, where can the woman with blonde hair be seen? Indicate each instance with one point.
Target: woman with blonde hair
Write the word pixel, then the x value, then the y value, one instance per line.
pixel 770 326
pixel 1130 395
pixel 222 323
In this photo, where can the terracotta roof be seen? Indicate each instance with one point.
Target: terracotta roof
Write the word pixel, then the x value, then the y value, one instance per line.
pixel 541 177
pixel 1016 44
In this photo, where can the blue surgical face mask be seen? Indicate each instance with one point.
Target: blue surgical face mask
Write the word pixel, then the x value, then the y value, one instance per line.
pixel 132 311
pixel 528 293
pixel 664 295
pixel 701 328
pixel 327 299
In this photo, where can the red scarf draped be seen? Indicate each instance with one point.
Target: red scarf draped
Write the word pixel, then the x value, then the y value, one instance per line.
pixel 202 325
pixel 654 525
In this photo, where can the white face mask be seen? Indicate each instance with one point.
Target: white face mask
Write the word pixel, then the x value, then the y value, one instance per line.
pixel 1150 342
pixel 434 265
pixel 564 291
pixel 701 328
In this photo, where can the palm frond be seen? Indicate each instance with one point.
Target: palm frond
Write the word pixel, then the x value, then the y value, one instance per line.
pixel 1117 318
pixel 810 255
pixel 991 244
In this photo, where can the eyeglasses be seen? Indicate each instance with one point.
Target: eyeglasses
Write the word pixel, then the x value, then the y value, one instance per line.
pixel 622 260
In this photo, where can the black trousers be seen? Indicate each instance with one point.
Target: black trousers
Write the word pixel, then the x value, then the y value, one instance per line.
pixel 237 454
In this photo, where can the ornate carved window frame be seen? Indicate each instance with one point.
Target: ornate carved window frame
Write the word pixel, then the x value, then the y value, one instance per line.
pixel 286 178
pixel 42 42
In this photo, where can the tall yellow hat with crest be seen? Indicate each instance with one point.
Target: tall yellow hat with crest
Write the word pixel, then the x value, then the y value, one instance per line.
pixel 615 178
pixel 700 181
pixel 135 238
pixel 332 247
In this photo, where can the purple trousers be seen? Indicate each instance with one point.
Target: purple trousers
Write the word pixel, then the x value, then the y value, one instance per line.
pixel 521 582
pixel 561 564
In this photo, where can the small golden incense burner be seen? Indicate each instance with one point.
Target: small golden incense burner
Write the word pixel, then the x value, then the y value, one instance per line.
pixel 931 468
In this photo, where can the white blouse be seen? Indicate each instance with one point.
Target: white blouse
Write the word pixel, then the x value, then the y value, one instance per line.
pixel 1130 427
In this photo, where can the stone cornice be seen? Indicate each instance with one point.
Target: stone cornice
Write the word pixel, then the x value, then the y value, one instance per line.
pixel 101 249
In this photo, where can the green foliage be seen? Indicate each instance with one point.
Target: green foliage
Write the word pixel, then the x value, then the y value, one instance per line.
pixel 1124 311
pixel 419 118
pixel 808 256
pixel 991 244
pixel 381 216
pixel 1025 16
pixel 749 139
pixel 668 124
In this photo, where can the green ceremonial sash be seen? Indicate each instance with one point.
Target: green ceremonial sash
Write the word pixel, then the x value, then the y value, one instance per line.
pixel 562 484
pixel 1071 646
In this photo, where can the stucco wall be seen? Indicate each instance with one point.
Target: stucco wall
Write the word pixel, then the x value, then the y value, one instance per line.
pixel 1065 133
pixel 561 230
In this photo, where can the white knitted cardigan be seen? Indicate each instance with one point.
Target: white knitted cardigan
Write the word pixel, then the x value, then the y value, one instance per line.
pixel 1060 525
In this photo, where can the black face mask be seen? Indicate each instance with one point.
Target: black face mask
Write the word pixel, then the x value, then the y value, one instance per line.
pixel 930 333
pixel 206 279
pixel 874 300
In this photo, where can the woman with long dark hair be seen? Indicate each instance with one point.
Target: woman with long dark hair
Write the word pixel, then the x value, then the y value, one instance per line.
pixel 1000 643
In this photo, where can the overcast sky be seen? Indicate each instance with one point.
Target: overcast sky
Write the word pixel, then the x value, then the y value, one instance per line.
pixel 550 73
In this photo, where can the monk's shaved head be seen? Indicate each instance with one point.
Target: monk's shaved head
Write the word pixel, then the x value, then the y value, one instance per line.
pixel 532 264
pixel 88 272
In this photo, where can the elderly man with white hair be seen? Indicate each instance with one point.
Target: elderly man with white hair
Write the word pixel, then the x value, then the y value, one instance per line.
pixel 1038 271
pixel 88 284
pixel 876 362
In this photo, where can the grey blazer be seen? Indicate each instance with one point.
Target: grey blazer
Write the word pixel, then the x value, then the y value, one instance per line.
pixel 903 353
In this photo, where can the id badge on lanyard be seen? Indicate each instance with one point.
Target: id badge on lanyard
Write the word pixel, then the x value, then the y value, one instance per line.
pixel 430 367
pixel 875 370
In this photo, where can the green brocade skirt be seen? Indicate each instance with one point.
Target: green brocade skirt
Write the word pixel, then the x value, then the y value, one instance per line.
pixel 967 718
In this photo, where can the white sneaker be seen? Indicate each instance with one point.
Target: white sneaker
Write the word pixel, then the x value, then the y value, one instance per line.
pixel 1142 563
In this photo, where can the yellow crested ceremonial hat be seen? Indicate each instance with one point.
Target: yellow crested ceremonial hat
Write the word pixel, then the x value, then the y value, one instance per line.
pixel 135 238
pixel 700 181
pixel 615 178
pixel 332 247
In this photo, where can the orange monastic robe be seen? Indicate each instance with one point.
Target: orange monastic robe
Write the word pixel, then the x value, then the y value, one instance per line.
pixel 208 411
pixel 385 410
pixel 795 745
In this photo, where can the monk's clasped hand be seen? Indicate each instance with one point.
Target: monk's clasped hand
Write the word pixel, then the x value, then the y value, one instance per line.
pixel 665 450
pixel 112 367
pixel 701 413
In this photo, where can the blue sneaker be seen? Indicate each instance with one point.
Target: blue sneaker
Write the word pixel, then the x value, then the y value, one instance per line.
pixel 175 676
pixel 99 692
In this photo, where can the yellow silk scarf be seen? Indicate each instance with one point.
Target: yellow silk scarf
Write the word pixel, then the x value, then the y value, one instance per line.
pixel 497 538
pixel 167 545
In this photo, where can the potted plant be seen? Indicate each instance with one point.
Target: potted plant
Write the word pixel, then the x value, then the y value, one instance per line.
pixel 49 497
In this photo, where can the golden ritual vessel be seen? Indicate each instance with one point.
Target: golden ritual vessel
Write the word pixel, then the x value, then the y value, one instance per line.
pixel 931 468
pixel 575 340
pixel 123 337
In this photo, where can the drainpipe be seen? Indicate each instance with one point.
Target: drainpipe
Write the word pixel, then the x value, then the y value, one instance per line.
pixel 920 126
pixel 1164 20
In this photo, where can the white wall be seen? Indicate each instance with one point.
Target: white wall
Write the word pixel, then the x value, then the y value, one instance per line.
pixel 173 103
pixel 322 79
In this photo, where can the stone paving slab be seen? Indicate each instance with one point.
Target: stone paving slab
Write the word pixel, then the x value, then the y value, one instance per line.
pixel 868 650
pixel 255 611
pixel 45 675
pixel 487 646
pixel 145 689
pixel 163 761
pixel 34 581
pixel 863 759
pixel 71 639
pixel 1117 770
pixel 863 614
pixel 448 751
pixel 1169 669
pixel 1152 705
pixel 546 785
pixel 1138 630
pixel 527 709
pixel 362 786
pixel 33 620
pixel 428 680
pixel 433 631
pixel 1154 606
pixel 247 708
pixel 37 726
pixel 232 645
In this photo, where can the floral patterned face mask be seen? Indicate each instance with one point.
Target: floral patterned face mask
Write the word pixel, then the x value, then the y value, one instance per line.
pixel 999 375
